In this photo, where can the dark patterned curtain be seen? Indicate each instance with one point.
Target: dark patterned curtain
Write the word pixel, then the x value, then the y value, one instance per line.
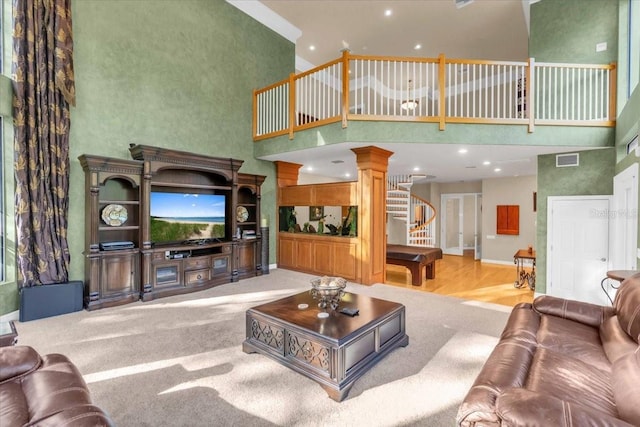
pixel 44 87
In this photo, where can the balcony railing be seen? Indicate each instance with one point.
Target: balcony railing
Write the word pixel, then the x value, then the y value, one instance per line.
pixel 437 90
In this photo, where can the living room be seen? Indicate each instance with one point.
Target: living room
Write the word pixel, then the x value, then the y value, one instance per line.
pixel 180 75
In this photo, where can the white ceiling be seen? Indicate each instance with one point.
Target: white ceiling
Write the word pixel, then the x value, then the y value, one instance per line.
pixel 483 29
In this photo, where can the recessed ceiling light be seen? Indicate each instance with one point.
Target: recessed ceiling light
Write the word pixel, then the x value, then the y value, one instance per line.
pixel 418 46
pixel 312 47
pixel 347 174
pixel 309 168
pixel 388 12
pixel 486 163
pixel 416 169
pixel 462 150
pixel 497 170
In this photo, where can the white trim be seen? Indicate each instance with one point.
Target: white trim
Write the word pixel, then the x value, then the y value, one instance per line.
pixel 495 261
pixel 14 315
pixel 261 13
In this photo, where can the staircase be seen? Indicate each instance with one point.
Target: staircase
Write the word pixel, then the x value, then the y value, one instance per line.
pixel 418 214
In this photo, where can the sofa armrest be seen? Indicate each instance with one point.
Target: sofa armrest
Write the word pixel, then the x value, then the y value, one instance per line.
pixel 578 311
pixel 520 406
pixel 496 376
pixel 17 361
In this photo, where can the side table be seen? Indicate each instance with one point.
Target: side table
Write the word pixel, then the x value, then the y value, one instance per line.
pixel 524 278
pixel 8 334
pixel 617 275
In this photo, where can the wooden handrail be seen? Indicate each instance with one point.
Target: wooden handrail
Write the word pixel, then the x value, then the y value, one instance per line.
pixel 457 98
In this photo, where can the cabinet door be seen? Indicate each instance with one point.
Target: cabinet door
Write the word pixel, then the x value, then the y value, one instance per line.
pixel 323 258
pixel 246 257
pixel 167 274
pixel 344 260
pixel 286 253
pixel 304 255
pixel 119 275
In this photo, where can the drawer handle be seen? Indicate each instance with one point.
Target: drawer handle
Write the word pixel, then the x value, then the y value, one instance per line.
pixel 199 276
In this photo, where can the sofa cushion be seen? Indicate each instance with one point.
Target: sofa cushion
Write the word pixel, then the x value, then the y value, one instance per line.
pixel 627 306
pixel 56 386
pixel 568 378
pixel 582 312
pixel 14 410
pixel 16 361
pixel 520 407
pixel 573 339
pixel 615 341
pixel 626 386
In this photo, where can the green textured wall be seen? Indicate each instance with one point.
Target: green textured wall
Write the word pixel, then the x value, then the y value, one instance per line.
pixel 176 74
pixel 594 176
pixel 568 31
pixel 369 132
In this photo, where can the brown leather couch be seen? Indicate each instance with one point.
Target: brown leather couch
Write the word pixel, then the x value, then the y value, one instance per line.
pixel 44 391
pixel 562 363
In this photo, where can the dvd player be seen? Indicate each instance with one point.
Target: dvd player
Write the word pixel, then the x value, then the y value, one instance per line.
pixel 114 246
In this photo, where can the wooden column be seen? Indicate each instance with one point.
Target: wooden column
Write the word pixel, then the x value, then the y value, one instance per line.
pixel 286 174
pixel 372 200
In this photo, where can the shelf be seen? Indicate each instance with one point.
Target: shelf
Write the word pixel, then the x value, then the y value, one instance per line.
pixel 124 227
pixel 120 202
pixel 203 187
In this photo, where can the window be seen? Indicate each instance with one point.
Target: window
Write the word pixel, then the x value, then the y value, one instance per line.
pixel 633 54
pixel 633 145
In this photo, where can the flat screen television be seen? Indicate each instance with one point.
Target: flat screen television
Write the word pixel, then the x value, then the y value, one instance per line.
pixel 185 217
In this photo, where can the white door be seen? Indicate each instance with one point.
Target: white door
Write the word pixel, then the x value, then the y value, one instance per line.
pixel 451 223
pixel 577 247
pixel 624 220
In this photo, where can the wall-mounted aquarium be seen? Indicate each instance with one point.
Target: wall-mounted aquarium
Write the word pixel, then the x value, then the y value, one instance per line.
pixel 329 220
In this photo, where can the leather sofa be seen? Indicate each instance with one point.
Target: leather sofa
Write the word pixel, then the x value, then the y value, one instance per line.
pixel 44 391
pixel 561 362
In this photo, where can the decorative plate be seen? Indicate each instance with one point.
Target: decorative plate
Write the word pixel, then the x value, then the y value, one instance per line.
pixel 242 214
pixel 114 215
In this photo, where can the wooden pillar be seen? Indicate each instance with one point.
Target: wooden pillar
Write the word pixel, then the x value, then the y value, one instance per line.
pixel 372 202
pixel 286 174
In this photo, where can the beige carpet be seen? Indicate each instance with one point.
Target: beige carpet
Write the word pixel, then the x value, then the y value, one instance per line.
pixel 178 361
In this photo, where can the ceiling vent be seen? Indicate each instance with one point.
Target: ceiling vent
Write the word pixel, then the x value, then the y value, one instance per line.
pixel 566 160
pixel 462 3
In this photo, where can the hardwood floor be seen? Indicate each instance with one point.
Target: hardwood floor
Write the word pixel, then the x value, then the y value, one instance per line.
pixel 463 277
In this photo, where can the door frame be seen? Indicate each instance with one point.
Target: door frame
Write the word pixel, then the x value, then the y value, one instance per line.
pixel 443 222
pixel 477 222
pixel 623 220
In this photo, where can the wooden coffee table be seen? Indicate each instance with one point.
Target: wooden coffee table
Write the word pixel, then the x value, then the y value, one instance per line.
pixel 335 351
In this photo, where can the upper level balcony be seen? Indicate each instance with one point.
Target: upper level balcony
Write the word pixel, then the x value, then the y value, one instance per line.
pixel 442 92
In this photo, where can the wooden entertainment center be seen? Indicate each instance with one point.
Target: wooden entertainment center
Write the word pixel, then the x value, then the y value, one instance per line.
pixel 123 263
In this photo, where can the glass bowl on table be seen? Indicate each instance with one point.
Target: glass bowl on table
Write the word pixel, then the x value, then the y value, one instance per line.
pixel 328 291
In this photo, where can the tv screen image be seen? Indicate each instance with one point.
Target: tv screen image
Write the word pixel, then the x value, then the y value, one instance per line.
pixel 178 217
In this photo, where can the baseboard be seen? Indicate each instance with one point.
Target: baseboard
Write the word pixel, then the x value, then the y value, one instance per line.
pixel 495 261
pixel 14 315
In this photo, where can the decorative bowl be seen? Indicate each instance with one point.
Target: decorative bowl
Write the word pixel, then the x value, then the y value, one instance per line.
pixel 328 291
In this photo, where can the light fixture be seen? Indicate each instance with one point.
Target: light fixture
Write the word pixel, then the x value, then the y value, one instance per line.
pixel 409 104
